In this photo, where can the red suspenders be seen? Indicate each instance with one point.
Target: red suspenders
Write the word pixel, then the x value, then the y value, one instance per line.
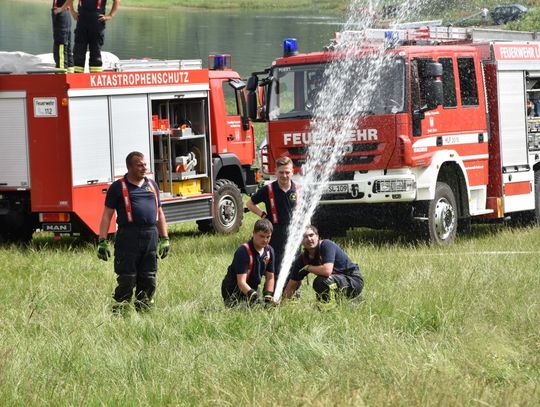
pixel 127 200
pixel 305 258
pixel 272 199
pixel 98 3
pixel 273 207
pixel 250 254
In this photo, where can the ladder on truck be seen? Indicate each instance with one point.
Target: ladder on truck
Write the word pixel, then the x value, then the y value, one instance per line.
pixel 433 34
pixel 157 64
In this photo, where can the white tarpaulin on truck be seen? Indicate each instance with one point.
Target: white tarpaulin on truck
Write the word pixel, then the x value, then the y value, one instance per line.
pixel 21 62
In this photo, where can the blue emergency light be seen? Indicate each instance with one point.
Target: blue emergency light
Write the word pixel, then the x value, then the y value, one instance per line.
pixel 220 62
pixel 290 47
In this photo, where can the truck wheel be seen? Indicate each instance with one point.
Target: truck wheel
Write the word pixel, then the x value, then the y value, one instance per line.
pixel 442 216
pixel 328 223
pixel 228 209
pixel 19 229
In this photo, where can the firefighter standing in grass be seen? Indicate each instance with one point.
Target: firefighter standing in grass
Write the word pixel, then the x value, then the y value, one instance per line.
pixel 280 198
pixel 252 260
pixel 335 274
pixel 142 230
pixel 91 17
pixel 61 23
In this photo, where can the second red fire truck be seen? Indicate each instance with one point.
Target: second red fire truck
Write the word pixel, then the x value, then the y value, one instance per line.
pixel 453 135
pixel 64 139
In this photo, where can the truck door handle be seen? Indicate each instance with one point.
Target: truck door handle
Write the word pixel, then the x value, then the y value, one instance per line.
pixel 104 190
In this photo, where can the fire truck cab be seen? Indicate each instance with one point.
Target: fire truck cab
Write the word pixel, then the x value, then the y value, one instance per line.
pixel 64 139
pixel 448 138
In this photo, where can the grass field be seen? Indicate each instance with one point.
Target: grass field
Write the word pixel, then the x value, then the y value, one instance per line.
pixel 438 326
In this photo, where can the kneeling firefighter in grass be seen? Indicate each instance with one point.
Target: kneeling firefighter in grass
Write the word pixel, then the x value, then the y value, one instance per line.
pixel 252 260
pixel 335 274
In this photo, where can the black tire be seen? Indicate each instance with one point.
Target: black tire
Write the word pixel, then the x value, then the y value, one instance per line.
pixel 442 216
pixel 328 222
pixel 464 225
pixel 18 229
pixel 228 209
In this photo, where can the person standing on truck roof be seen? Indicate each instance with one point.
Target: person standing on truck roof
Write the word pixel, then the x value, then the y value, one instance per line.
pixel 91 17
pixel 484 15
pixel 335 274
pixel 252 260
pixel 61 23
pixel 280 198
pixel 141 236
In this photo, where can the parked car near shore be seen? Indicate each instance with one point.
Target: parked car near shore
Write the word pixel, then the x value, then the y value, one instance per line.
pixel 509 12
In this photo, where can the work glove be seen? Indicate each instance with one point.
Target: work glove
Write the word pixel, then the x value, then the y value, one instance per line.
pixel 104 249
pixel 303 272
pixel 268 298
pixel 252 297
pixel 164 246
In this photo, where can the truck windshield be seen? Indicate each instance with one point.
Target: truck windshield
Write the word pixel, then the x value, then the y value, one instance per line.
pixel 294 90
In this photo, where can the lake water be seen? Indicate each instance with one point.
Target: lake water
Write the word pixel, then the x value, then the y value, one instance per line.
pixel 253 38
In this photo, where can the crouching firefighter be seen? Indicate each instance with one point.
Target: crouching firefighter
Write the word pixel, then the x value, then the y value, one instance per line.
pixel 141 236
pixel 252 260
pixel 336 275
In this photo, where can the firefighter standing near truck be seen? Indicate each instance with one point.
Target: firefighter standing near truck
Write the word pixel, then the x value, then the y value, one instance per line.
pixel 61 23
pixel 91 17
pixel 335 274
pixel 280 198
pixel 252 260
pixel 142 231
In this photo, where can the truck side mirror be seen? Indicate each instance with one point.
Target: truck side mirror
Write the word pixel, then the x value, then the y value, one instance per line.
pixel 252 103
pixel 434 85
pixel 434 93
pixel 252 83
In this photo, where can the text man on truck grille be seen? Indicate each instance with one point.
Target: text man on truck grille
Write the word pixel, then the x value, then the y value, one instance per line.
pixel 140 220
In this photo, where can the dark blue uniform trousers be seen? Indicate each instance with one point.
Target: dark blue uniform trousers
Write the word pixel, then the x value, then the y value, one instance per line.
pixel 62 39
pixel 89 33
pixel 135 262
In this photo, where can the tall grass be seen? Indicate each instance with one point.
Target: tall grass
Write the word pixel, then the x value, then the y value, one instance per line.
pixel 437 326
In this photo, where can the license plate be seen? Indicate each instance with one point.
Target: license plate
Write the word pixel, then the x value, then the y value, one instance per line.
pixel 337 189
pixel 57 227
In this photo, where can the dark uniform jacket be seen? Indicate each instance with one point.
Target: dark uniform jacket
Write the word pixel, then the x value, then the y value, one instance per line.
pixel 327 252
pixel 240 265
pixel 143 202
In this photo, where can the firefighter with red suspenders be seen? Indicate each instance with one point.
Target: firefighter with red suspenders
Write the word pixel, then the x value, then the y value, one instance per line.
pixel 91 17
pixel 252 260
pixel 280 198
pixel 61 23
pixel 335 274
pixel 141 236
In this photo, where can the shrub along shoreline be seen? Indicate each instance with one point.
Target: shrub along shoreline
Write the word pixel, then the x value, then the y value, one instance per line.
pixel 314 5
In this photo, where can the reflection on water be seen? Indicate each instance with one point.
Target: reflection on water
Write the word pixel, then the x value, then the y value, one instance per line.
pixel 253 38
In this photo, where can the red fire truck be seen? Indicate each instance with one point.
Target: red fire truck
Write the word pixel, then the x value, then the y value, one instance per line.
pixel 64 139
pixel 448 140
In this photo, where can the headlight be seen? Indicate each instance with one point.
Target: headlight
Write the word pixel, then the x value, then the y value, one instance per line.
pixel 394 185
